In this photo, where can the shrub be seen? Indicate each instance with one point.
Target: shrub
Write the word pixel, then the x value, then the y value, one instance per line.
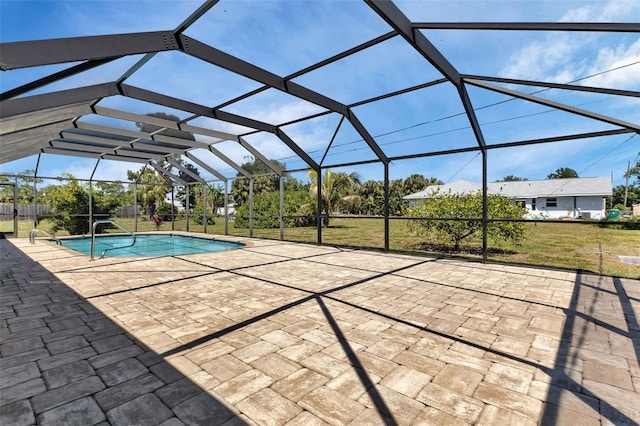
pixel 198 211
pixel 69 205
pixel 466 210
pixel 266 210
pixel 164 211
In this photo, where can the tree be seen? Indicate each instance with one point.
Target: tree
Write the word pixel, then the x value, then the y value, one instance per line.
pixel 152 188
pixel 150 128
pixel 372 196
pixel 24 188
pixel 414 183
pixel 261 184
pixel 70 206
pixel 334 187
pixel 563 173
pixel 467 209
pixel 634 171
pixel 110 196
pixel 182 192
pixel 215 200
pixel 347 197
pixel 617 197
pixel 512 178
pixel 397 204
pixel 182 134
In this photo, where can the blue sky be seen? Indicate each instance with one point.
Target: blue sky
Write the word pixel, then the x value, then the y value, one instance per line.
pixel 285 36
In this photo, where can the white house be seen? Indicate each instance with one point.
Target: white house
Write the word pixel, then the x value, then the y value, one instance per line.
pixel 549 198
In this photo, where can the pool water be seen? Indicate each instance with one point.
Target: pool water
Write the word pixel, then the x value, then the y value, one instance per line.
pixel 149 245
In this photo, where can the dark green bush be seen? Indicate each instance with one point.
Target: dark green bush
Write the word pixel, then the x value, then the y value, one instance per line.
pixel 266 210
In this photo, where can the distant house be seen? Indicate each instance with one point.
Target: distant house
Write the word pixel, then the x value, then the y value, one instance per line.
pixel 553 198
pixel 231 209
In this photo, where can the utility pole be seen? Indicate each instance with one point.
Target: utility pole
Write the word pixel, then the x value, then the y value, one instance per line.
pixel 626 184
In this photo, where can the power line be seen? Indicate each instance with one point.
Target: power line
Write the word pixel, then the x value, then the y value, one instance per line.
pixel 608 153
pixel 489 105
pixel 467 127
pixel 597 161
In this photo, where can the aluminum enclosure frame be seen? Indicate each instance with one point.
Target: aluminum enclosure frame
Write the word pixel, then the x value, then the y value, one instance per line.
pixel 52 123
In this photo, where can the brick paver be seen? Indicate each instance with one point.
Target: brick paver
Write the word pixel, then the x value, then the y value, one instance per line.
pixel 282 333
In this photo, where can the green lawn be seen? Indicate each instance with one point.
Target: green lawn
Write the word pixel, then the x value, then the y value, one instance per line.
pixel 586 247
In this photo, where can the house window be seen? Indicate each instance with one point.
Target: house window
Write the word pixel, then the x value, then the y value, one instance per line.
pixel 521 203
pixel 533 203
pixel 552 202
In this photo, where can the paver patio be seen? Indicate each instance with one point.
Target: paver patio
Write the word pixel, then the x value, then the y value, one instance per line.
pixel 285 333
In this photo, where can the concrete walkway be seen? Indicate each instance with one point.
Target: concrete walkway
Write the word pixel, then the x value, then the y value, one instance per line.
pixel 290 334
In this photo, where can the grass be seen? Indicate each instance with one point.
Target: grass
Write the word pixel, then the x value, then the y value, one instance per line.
pixel 573 246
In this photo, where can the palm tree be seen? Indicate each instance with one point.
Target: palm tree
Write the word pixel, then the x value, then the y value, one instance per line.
pixel 334 188
pixel 152 189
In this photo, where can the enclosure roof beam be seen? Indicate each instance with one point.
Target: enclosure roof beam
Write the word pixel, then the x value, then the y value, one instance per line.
pixel 167 174
pixel 246 69
pixel 229 161
pixel 320 64
pixel 164 150
pixel 197 14
pixel 187 143
pixel 41 82
pixel 471 115
pixel 553 104
pixel 61 98
pixel 205 166
pixel 70 144
pixel 201 110
pixel 398 92
pixel 246 145
pixel 24 54
pixel 30 120
pixel 136 118
pixel 208 132
pixel 20 148
pixel 52 129
pixel 112 130
pixel 244 121
pixel 75 153
pixel 70 152
pixel 157 98
pixel 353 119
pixel 295 148
pixel 403 26
pixel 78 145
pixel 531 26
pixel 342 55
pixel 168 101
pixel 184 170
pixel 516 144
pixel 154 121
pixel 82 142
pixel 125 158
pixel 82 137
pixel 549 85
pixel 576 136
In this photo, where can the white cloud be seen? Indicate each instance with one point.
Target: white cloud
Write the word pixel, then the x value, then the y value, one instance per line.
pixel 614 57
pixel 564 57
pixel 614 10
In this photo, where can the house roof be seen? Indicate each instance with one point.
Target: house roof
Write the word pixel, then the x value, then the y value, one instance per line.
pixel 573 187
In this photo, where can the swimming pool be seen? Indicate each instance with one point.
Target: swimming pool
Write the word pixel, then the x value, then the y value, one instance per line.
pixel 148 245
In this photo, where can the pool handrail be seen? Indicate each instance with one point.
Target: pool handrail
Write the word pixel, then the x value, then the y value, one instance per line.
pixel 93 236
pixel 36 231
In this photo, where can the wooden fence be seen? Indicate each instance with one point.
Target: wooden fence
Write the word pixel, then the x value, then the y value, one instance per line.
pixel 28 211
pixel 24 210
